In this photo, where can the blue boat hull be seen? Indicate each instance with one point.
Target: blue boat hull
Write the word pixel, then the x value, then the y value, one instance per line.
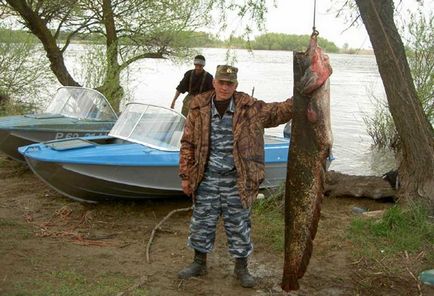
pixel 92 183
pixel 103 168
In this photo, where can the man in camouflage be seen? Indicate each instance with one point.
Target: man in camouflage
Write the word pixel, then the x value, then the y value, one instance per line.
pixel 222 166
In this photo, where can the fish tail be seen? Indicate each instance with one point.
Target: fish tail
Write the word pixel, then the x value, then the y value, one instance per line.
pixel 290 282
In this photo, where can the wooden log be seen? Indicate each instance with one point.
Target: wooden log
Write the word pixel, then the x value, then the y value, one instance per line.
pixel 340 185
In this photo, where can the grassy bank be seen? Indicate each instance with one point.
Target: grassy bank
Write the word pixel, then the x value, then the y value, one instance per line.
pixel 386 252
pixel 51 245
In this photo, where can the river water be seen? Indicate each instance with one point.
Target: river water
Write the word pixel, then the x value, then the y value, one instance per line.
pixel 355 80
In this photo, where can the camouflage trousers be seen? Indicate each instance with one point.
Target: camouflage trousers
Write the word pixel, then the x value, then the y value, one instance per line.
pixel 218 196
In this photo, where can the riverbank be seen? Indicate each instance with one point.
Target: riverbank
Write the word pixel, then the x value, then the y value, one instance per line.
pixel 51 245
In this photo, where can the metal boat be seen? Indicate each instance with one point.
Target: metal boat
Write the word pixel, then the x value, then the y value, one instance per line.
pixel 73 112
pixel 138 159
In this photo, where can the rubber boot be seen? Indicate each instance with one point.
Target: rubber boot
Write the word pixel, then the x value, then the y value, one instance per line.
pixel 242 273
pixel 197 268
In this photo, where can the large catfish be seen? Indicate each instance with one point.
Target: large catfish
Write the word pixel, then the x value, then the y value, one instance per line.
pixel 311 141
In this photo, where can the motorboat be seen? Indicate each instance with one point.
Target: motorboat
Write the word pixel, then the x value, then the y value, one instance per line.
pixel 73 112
pixel 138 159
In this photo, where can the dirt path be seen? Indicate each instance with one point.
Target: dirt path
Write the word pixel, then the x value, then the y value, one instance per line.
pixel 49 243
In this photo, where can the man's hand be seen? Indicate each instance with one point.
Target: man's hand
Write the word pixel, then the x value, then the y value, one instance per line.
pixel 173 104
pixel 185 184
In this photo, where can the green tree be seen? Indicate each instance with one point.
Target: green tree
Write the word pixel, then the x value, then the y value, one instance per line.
pixel 23 71
pixel 416 168
pixel 280 41
pixel 418 33
pixel 131 30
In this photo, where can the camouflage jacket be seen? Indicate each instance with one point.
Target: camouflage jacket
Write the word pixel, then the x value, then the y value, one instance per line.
pixel 250 118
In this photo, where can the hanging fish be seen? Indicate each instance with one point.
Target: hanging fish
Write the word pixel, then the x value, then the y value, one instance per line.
pixel 311 141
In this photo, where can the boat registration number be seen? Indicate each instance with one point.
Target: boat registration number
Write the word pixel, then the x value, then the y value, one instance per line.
pixel 61 135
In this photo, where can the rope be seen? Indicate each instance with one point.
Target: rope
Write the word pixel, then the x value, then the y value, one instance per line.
pixel 314 16
pixel 314 31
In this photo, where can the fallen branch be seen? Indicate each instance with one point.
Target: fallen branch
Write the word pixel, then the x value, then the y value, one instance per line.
pixel 416 280
pixel 148 247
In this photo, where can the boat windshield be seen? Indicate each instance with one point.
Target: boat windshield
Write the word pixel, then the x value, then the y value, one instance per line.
pixel 82 103
pixel 154 126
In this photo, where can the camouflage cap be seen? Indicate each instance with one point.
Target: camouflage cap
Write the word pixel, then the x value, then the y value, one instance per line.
pixel 226 73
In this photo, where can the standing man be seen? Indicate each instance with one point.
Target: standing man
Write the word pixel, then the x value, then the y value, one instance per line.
pixel 195 81
pixel 222 166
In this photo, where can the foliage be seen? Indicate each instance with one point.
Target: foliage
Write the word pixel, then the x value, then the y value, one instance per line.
pixel 268 41
pixel 419 33
pixel 242 15
pixel 401 229
pixel 280 41
pixel 24 72
pixel 131 30
pixel 11 107
pixel 92 66
pixel 15 36
pixel 419 36
pixel 199 39
pixel 380 126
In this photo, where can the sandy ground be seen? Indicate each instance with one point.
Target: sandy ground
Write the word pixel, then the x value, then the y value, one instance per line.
pixel 42 232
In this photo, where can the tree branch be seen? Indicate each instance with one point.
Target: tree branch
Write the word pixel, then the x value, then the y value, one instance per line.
pixel 147 55
pixel 73 33
pixel 148 247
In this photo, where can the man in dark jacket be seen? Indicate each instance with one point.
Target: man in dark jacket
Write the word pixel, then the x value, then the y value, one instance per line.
pixel 194 82
pixel 222 165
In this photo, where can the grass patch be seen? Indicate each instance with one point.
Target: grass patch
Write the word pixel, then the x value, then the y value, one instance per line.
pixel 268 218
pixel 71 283
pixel 10 229
pixel 8 223
pixel 401 229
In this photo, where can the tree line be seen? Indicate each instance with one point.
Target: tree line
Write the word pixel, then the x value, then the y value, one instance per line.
pixel 267 41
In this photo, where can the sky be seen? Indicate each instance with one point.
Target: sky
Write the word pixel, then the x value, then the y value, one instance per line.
pixel 296 17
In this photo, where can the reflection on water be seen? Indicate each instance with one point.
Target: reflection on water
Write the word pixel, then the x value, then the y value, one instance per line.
pixel 270 74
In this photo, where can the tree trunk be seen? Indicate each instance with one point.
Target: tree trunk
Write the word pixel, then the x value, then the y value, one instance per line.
pixel 111 87
pixel 40 30
pixel 416 169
